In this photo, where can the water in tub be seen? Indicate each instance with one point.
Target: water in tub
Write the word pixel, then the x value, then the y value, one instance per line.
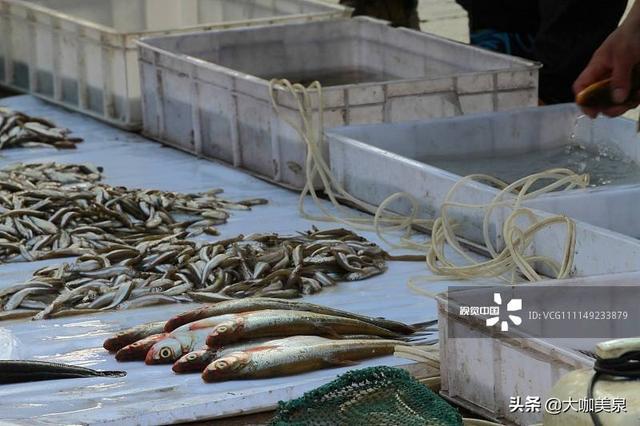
pixel 605 164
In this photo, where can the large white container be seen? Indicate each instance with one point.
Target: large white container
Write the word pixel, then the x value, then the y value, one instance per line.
pixel 82 53
pixel 374 161
pixel 482 368
pixel 208 93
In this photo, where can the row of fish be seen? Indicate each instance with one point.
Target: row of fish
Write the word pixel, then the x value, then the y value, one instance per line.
pixel 174 270
pixel 55 210
pixel 18 129
pixel 258 338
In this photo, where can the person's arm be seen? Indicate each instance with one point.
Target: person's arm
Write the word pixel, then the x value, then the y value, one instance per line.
pixel 615 59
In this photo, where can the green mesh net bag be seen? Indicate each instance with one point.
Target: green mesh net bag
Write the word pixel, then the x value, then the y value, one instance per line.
pixel 371 396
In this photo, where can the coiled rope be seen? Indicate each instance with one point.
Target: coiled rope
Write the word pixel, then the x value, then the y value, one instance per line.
pixel 512 263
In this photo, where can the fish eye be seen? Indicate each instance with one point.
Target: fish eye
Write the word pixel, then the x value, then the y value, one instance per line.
pixel 221 364
pixel 165 353
pixel 222 329
pixel 192 357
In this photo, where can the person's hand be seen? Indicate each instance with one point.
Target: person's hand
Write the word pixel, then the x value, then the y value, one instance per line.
pixel 615 59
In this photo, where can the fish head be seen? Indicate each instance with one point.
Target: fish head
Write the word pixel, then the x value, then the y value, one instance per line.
pixel 115 343
pixel 227 367
pixel 225 332
pixel 165 351
pixel 181 319
pixel 138 349
pixel 195 361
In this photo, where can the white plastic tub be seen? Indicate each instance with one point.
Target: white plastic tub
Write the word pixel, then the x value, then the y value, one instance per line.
pixel 375 161
pixel 482 372
pixel 208 93
pixel 82 53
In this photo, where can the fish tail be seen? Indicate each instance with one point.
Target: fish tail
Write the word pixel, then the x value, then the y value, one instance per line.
pixel 399 327
pixel 423 325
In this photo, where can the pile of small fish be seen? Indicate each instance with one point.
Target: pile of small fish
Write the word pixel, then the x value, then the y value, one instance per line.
pixel 59 210
pixel 174 270
pixel 18 129
pixel 259 338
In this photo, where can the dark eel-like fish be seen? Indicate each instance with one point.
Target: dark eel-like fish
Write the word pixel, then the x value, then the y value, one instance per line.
pixel 19 371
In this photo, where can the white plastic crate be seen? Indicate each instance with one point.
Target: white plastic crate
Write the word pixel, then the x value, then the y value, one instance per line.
pixel 82 53
pixel 374 161
pixel 208 93
pixel 484 369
